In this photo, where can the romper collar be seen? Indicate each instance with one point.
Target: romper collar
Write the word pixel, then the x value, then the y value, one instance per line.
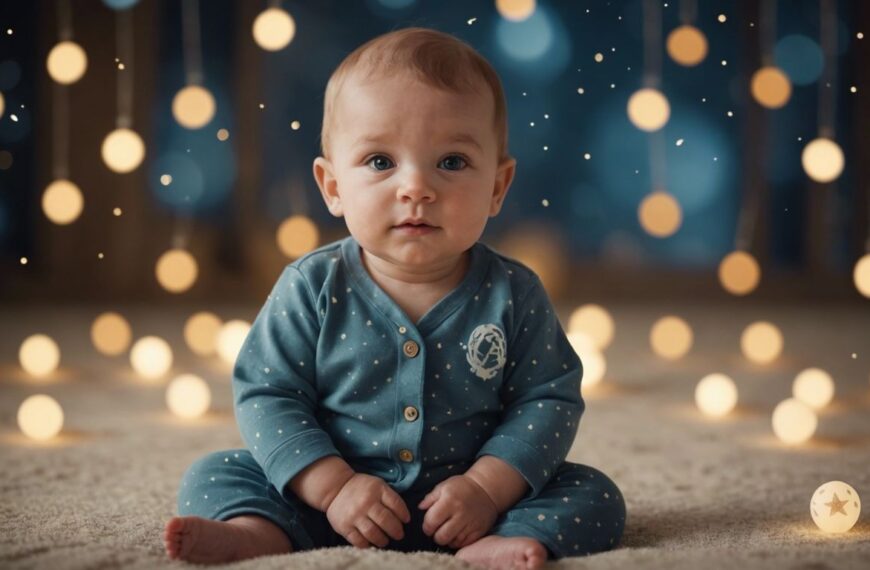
pixel 478 267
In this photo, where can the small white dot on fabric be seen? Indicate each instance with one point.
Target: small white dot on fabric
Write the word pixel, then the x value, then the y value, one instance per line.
pixel 187 504
pixel 226 459
pixel 541 517
pixel 205 496
pixel 531 427
pixel 258 434
pixel 212 479
pixel 334 300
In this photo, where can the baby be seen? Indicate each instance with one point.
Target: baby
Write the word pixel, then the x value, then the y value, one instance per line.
pixel 406 387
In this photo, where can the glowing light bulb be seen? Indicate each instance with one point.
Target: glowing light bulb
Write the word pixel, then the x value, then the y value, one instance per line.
pixel 671 337
pixel 273 29
pixel 67 62
pixel 835 507
pixel 39 355
pixel 595 322
pixel 739 273
pixel 193 107
pixel 111 334
pixel 515 10
pixel 123 150
pixel 188 396
pixel 761 342
pixel 716 395
pixel 861 275
pixel 594 364
pixel 687 45
pixel 62 202
pixel 297 235
pixel 770 87
pixel 201 331
pixel 822 160
pixel 231 338
pixel 40 417
pixel 660 214
pixel 814 387
pixel 793 421
pixel 151 357
pixel 176 270
pixel 648 109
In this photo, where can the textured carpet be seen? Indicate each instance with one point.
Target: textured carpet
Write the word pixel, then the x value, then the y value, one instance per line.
pixel 721 494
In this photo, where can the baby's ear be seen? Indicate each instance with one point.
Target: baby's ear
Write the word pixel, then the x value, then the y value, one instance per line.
pixel 324 175
pixel 504 175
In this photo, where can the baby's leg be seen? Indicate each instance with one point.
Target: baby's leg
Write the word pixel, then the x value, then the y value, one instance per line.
pixel 204 541
pixel 228 510
pixel 580 511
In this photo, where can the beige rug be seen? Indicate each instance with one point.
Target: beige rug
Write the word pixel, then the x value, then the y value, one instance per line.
pixel 722 494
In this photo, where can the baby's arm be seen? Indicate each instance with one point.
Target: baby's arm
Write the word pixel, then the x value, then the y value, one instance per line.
pixel 276 400
pixel 541 410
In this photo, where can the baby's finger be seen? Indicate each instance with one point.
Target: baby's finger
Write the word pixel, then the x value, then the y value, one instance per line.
pixel 372 532
pixel 387 520
pixel 356 539
pixel 448 531
pixel 459 540
pixel 394 502
pixel 435 517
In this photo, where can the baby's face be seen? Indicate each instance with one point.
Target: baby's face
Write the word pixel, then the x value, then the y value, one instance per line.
pixel 404 151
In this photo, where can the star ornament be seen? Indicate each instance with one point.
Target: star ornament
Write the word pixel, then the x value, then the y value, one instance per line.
pixel 835 507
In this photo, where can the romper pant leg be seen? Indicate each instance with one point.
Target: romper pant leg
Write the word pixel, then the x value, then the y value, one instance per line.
pixel 230 483
pixel 580 511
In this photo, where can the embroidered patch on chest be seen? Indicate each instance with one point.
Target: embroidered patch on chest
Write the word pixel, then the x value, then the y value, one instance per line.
pixel 486 351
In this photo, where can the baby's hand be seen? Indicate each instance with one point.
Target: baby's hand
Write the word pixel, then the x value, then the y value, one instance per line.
pixel 461 512
pixel 366 508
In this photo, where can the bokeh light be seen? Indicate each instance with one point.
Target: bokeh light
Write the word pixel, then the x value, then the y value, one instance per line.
pixel 297 235
pixel 594 363
pixel 770 87
pixel 793 421
pixel 176 270
pixel 822 160
pixel 151 357
pixel 835 507
pixel 230 339
pixel 120 4
pixel 687 45
pixel 515 10
pixel 274 29
pixel 648 109
pixel 660 214
pixel 201 331
pixel 595 322
pixel 193 107
pixel 716 395
pixel 67 62
pixel 123 150
pixel 671 337
pixel 188 396
pixel 39 355
pixel 861 275
pixel 739 273
pixel 40 417
pixel 761 342
pixel 814 387
pixel 800 57
pixel 2 104
pixel 62 202
pixel 111 334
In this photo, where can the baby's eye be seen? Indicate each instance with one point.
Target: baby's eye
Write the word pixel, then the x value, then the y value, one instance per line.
pixel 380 162
pixel 454 162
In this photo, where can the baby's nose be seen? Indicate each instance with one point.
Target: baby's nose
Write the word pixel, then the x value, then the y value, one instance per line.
pixel 415 187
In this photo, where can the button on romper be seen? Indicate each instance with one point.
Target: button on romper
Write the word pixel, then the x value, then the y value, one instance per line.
pixel 333 366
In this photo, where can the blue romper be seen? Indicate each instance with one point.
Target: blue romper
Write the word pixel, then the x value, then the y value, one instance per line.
pixel 333 366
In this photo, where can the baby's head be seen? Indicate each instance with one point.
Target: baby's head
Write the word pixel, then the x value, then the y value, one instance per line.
pixel 414 129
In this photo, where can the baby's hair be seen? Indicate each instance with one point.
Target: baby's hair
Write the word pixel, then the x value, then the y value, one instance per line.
pixel 433 57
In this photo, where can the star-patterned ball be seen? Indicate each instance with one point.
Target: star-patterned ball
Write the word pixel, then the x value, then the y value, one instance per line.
pixel 835 507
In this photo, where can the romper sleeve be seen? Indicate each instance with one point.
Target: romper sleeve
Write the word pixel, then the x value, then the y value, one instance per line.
pixel 540 395
pixel 274 383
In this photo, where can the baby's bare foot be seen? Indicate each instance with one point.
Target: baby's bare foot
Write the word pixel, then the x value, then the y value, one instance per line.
pixel 503 553
pixel 204 541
